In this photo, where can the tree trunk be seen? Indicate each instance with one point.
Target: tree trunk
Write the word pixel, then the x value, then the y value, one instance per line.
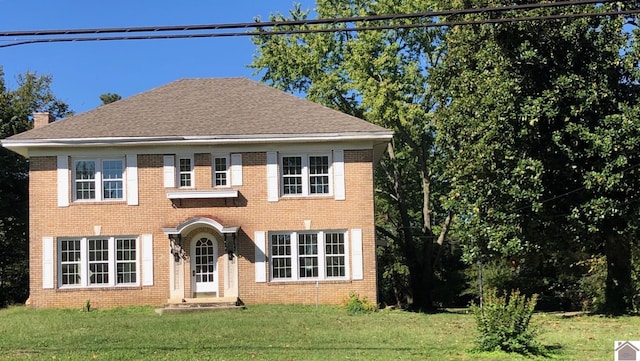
pixel 427 246
pixel 420 297
pixel 619 287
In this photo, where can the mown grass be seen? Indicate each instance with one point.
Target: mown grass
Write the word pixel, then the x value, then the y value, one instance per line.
pixel 285 333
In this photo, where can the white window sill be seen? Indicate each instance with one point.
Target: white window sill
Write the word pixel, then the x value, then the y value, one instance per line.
pixel 299 281
pixel 227 193
pixel 103 287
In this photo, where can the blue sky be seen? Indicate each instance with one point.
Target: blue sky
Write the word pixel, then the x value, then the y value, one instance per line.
pixel 84 70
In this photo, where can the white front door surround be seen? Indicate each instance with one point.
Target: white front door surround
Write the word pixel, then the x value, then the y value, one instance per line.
pixel 198 267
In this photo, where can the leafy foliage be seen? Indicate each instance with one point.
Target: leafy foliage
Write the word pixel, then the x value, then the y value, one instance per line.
pixel 107 98
pixel 538 121
pixel 358 305
pixel 33 94
pixel 504 323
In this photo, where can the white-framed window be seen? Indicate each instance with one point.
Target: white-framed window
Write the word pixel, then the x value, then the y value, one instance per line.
pixel 98 179
pixel 69 260
pixel 126 260
pixel 308 255
pixel 305 175
pixel 98 261
pixel 186 172
pixel 220 169
pixel 335 255
pixel 292 175
pixel 113 179
pixel 281 256
pixel 319 174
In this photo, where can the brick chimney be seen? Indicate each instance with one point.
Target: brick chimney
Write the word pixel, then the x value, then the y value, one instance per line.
pixel 41 119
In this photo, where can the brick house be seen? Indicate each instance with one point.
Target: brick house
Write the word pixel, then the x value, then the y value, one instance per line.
pixel 201 188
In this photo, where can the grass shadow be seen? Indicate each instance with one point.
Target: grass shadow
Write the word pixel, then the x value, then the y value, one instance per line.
pixel 551 350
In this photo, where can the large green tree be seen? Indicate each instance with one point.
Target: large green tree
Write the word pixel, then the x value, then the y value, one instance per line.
pixel 539 123
pixel 383 77
pixel 32 94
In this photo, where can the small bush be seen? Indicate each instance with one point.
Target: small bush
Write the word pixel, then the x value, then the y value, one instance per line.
pixel 359 305
pixel 503 323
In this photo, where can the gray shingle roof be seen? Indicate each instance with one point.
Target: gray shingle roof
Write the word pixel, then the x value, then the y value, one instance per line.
pixel 224 107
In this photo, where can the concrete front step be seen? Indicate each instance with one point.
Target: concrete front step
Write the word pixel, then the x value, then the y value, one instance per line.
pixel 201 304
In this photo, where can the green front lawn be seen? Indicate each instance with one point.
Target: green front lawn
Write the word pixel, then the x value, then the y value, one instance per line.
pixel 284 333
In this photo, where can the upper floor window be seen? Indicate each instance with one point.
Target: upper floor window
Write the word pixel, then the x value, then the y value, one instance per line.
pixel 220 171
pixel 99 179
pixel 305 175
pixel 112 179
pixel 180 171
pixel 98 261
pixel 319 174
pixel 292 175
pixel 185 172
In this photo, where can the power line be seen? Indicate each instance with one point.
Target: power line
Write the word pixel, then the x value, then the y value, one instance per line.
pixel 289 27
pixel 320 30
pixel 323 30
pixel 568 193
pixel 262 24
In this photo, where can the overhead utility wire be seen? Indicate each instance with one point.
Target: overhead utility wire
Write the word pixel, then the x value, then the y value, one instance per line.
pixel 323 30
pixel 262 24
pixel 567 193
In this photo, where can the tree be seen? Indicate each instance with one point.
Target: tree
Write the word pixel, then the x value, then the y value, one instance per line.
pixel 383 77
pixel 539 124
pixel 107 98
pixel 33 94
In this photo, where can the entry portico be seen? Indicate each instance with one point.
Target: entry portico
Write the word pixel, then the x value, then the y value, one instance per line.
pixel 197 246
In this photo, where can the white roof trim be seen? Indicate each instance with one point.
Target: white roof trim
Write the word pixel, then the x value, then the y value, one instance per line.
pixel 21 146
pixel 216 139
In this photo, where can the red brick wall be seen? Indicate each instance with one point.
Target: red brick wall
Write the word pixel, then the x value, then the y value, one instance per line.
pixel 250 211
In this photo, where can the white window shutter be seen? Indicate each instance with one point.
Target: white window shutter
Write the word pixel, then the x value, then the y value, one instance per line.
pixel 63 181
pixel 272 176
pixel 169 171
pixel 236 169
pixel 259 237
pixel 47 262
pixel 147 260
pixel 132 179
pixel 356 254
pixel 338 175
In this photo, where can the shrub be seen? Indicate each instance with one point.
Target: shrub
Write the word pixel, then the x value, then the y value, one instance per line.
pixel 503 323
pixel 358 305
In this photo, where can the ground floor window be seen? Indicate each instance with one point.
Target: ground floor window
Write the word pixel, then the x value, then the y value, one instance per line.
pixel 308 255
pixel 98 261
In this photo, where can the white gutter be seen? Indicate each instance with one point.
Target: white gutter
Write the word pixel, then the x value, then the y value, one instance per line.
pixel 22 146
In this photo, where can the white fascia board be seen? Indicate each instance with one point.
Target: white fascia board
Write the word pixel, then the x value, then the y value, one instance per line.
pixel 20 149
pixel 23 147
pixel 224 139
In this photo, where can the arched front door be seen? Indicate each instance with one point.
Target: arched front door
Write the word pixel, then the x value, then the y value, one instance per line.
pixel 204 265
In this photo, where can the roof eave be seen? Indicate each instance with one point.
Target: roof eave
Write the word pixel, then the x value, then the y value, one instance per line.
pixel 22 146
